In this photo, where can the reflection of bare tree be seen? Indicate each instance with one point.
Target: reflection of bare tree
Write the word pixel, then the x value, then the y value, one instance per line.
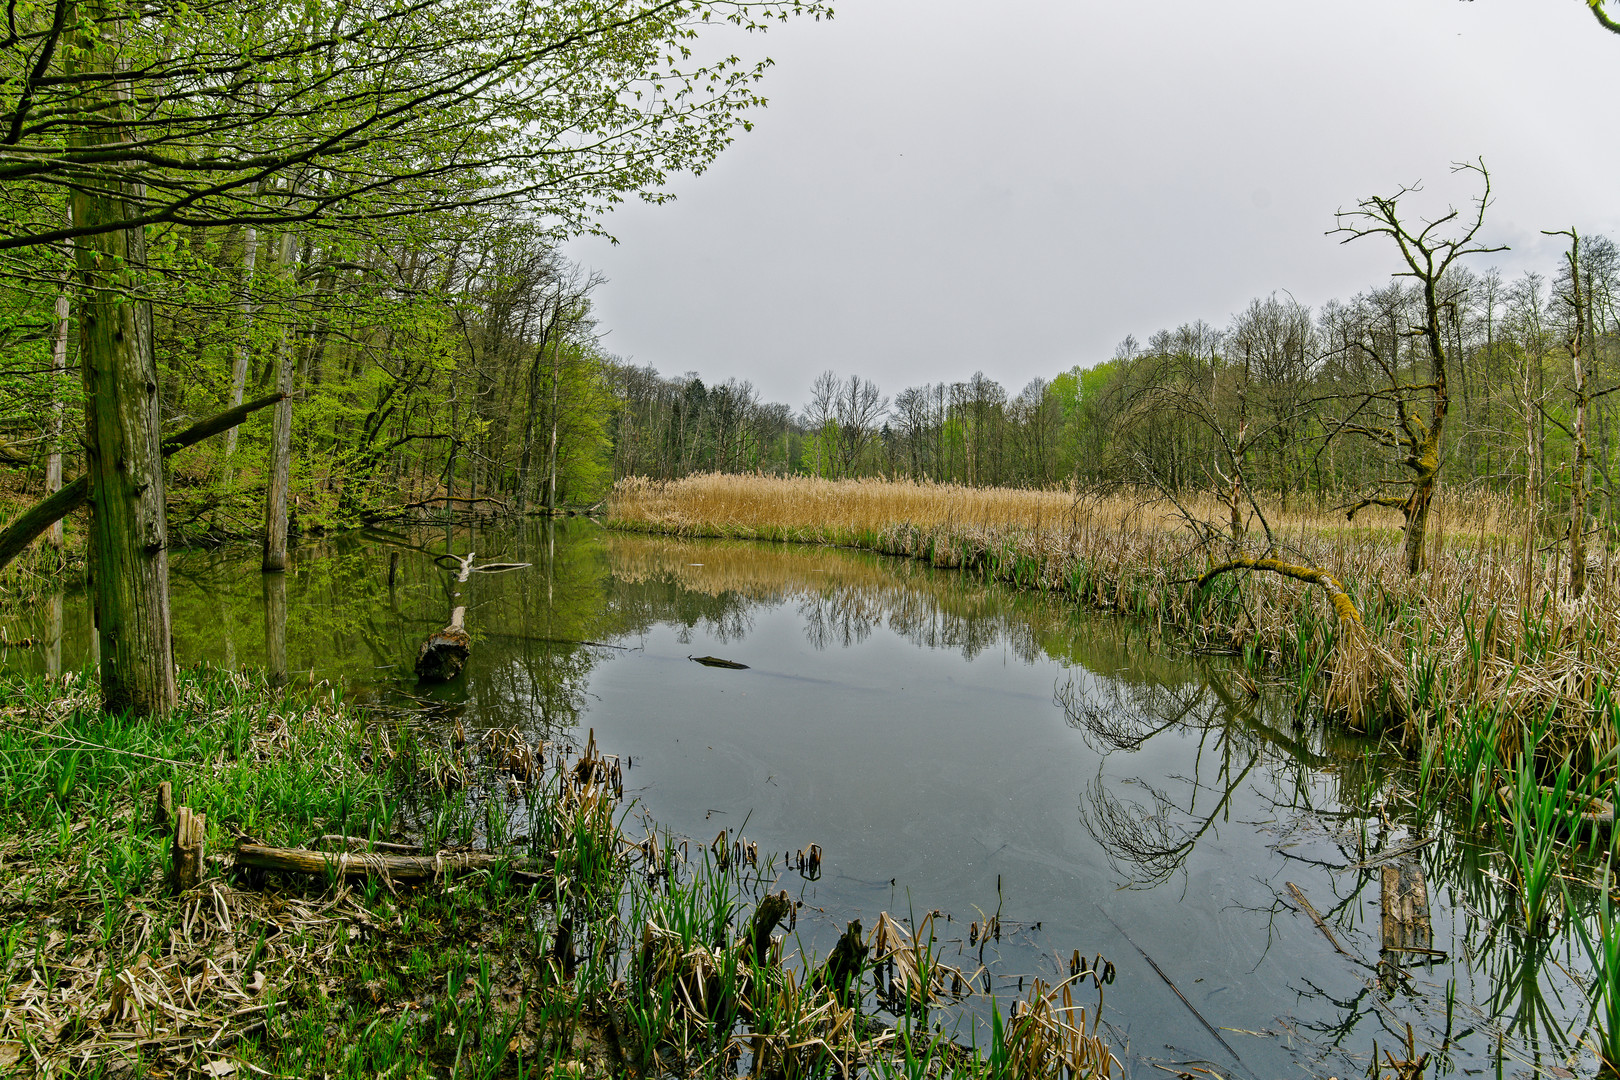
pixel 1141 841
pixel 1149 840
pixel 839 616
pixel 1149 843
pixel 1115 715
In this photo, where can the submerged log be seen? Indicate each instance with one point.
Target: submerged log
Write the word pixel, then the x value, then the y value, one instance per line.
pixel 1405 907
pixel 443 654
pixel 715 661
pixel 445 651
pixel 365 863
pixel 1316 917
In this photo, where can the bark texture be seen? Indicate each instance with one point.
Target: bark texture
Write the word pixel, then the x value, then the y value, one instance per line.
pixel 129 543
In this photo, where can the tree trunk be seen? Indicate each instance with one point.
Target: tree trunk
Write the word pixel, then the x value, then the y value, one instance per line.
pixel 129 543
pixel 239 363
pixel 53 460
pixel 275 503
pixel 1417 523
pixel 1582 465
pixel 551 453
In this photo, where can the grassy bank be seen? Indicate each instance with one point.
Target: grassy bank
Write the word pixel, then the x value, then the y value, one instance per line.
pixel 579 952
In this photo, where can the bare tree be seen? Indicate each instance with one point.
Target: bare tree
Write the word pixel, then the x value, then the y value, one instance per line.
pixel 818 415
pixel 1585 263
pixel 1404 415
pixel 857 411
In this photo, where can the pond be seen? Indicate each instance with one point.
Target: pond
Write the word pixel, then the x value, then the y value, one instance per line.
pixel 952 747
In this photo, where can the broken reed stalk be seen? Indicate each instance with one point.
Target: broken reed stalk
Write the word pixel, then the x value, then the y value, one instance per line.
pixel 1361 666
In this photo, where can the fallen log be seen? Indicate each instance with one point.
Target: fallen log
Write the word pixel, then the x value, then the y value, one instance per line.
pixel 1362 669
pixel 396 867
pixel 715 661
pixel 48 511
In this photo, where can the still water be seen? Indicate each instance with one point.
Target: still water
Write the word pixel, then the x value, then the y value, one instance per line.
pixel 952 746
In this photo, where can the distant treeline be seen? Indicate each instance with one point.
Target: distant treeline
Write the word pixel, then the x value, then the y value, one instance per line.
pixel 1302 402
pixel 467 372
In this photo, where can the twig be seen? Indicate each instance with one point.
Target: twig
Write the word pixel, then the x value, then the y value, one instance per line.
pixel 1171 984
pixel 1327 931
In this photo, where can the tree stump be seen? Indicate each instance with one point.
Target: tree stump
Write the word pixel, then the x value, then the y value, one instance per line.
pixel 445 652
pixel 844 966
pixel 163 810
pixel 186 863
pixel 767 914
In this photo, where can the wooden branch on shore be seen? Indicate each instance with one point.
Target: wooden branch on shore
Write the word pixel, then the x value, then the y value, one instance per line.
pixel 396 867
pixel 53 508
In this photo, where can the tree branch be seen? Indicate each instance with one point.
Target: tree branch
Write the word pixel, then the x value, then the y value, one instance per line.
pixel 45 513
pixel 1603 20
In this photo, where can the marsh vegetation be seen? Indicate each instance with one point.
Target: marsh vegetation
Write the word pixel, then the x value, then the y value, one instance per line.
pixel 981 767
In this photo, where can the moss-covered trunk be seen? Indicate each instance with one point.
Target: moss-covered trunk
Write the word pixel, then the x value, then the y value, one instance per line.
pixel 128 548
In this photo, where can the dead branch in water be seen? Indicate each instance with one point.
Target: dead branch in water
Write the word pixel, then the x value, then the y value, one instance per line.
pixel 1361 666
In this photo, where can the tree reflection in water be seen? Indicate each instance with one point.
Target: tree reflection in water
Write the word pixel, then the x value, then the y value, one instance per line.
pixel 1513 997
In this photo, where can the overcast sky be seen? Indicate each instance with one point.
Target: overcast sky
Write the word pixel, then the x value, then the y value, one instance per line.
pixel 945 186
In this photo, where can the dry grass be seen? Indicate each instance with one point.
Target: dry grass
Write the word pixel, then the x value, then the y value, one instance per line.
pixel 762 507
pixel 1481 624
